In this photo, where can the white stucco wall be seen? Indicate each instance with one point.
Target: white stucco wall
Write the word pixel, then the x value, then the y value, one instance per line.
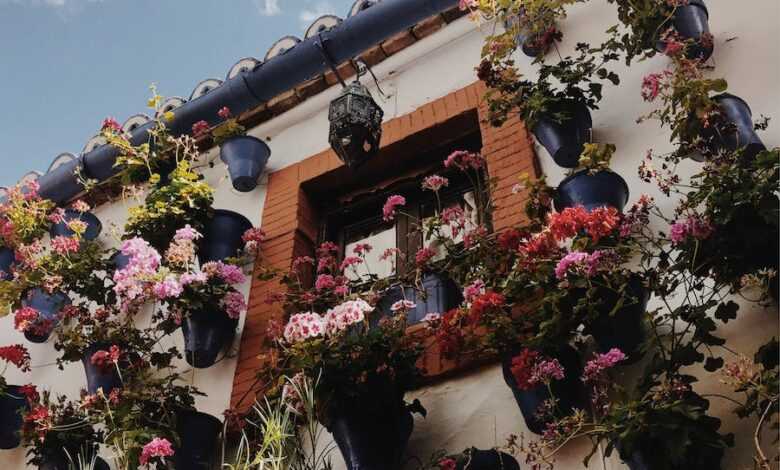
pixel 477 408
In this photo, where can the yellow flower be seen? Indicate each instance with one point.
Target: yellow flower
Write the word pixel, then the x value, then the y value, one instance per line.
pixel 168 116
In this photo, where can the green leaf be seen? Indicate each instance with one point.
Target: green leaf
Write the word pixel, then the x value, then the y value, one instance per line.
pixel 713 363
pixel 727 311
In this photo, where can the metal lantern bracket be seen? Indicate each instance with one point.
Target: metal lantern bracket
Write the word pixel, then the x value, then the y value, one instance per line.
pixel 359 64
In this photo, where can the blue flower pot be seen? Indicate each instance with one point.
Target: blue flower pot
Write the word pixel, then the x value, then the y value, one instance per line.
pixel 12 404
pixel 691 21
pixel 98 378
pixel 565 139
pixel 602 189
pixel 7 259
pixel 222 237
pixel 198 433
pixel 206 334
pixel 625 329
pixel 94 226
pixel 372 440
pixel 245 157
pixel 488 460
pixel 741 134
pixel 569 391
pixel 119 260
pixel 441 294
pixel 49 307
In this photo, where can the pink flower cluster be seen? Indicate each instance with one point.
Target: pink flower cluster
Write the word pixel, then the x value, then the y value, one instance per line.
pixel 424 255
pixel 435 183
pixel 28 319
pixel 303 326
pixel 134 282
pixel 156 448
pixel 464 160
pixel 402 306
pixel 588 264
pixel 595 367
pixel 234 304
pixel 342 316
pixel 694 226
pixel 473 290
pixel 545 371
pixel 652 84
pixel 252 239
pixel 65 245
pixel 106 360
pixel 200 128
pixel 391 206
pixel 229 273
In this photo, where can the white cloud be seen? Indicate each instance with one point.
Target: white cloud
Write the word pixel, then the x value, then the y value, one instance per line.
pixel 309 14
pixel 268 7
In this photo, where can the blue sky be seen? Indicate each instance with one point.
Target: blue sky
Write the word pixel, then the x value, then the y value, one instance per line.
pixel 67 64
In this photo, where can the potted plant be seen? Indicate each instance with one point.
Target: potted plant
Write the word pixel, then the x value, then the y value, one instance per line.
pixel 7 258
pixel 545 386
pixel 738 130
pixel 244 155
pixel 594 185
pixel 40 313
pixel 223 236
pixel 13 398
pixel 558 115
pixel 71 222
pixel 690 24
pixel 59 436
pixel 362 374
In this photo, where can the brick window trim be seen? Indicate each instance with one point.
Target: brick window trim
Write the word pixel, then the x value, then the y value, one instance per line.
pixel 291 222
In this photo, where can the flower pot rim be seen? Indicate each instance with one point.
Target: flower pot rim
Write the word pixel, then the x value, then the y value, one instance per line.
pixel 200 414
pixel 246 137
pixel 230 213
pixel 701 4
pixel 727 95
pixel 587 173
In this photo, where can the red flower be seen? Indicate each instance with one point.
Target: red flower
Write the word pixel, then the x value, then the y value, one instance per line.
pixel 487 301
pixel 111 124
pixel 200 128
pixel 510 239
pixel 447 464
pixel 449 336
pixel 30 392
pixel 391 205
pixel 523 368
pixel 424 255
pixel 224 113
pixel 601 222
pixel 17 355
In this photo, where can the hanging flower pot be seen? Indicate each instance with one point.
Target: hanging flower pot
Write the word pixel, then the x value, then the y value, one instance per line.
pixel 94 226
pixel 7 258
pixel 48 307
pixel 475 459
pixel 568 391
pixel 605 188
pixel 532 45
pixel 441 294
pixel 740 133
pixel 372 439
pixel 564 139
pixel 245 157
pixel 222 236
pixel 625 328
pixel 198 433
pixel 99 376
pixel 12 403
pixel 206 333
pixel 691 21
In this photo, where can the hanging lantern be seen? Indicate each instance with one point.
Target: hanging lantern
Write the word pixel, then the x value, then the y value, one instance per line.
pixel 355 125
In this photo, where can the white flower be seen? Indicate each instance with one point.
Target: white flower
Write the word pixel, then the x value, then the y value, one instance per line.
pixel 402 306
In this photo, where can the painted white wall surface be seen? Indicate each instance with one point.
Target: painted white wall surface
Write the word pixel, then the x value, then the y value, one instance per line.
pixel 477 408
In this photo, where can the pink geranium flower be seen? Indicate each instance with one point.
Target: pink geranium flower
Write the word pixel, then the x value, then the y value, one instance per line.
pixel 156 448
pixel 391 206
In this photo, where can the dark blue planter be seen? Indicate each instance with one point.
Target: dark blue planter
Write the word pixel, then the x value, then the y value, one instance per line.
pixel 119 260
pixel 565 139
pixel 94 226
pixel 441 294
pixel 602 189
pixel 741 133
pixel 206 334
pixel 372 440
pixel 222 237
pixel 60 184
pixel 12 404
pixel 527 43
pixel 198 433
pixel 96 377
pixel 246 157
pixel 48 306
pixel 691 21
pixel 7 259
pixel 625 329
pixel 569 391
pixel 488 460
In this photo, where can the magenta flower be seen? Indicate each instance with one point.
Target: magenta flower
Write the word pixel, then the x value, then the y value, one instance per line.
pixel 435 183
pixel 324 281
pixel 200 128
pixel 234 304
pixel 391 205
pixel 111 124
pixel 224 112
pixel 424 255
pixel 156 448
pixel 596 366
pixel 187 233
pixel 545 371
pixel 571 259
pixel 694 226
pixel 464 160
pixel 473 290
